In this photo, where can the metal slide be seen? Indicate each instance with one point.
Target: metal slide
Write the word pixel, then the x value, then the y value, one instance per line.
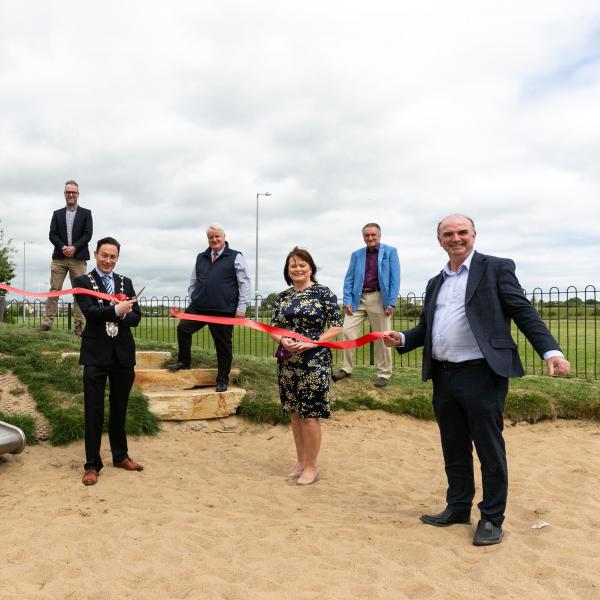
pixel 12 439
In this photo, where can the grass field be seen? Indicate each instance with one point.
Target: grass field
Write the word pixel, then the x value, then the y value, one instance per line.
pixel 579 338
pixel 56 386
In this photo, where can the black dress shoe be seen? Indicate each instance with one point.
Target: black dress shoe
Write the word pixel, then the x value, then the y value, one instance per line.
pixel 487 534
pixel 446 517
pixel 221 387
pixel 178 366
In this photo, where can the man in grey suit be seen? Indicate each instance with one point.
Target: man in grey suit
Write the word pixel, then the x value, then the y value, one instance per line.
pixel 71 229
pixel 469 354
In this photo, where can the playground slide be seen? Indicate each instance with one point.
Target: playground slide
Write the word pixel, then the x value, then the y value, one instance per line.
pixel 12 439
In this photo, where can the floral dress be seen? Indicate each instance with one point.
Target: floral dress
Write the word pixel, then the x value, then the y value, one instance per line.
pixel 304 377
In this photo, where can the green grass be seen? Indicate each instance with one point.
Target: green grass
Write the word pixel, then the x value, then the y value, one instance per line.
pixel 24 422
pixel 580 340
pixel 57 388
pixel 56 384
pixel 578 335
pixel 531 398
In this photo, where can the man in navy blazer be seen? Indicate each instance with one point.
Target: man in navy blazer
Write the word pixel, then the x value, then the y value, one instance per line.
pixel 469 354
pixel 371 289
pixel 71 230
pixel 107 353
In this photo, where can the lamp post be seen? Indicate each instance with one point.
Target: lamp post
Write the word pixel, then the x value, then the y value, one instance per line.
pixel 24 276
pixel 256 259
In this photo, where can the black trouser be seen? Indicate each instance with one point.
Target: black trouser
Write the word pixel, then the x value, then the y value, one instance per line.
pixel 468 402
pixel 221 335
pixel 94 383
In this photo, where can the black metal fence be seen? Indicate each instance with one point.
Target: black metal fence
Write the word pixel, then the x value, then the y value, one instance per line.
pixel 572 315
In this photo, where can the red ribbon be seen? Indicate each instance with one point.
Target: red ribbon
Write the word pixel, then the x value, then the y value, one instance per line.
pixel 82 291
pixel 344 345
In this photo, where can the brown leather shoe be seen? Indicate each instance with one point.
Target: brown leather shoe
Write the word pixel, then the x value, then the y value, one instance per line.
pixel 90 477
pixel 44 328
pixel 381 382
pixel 341 374
pixel 128 465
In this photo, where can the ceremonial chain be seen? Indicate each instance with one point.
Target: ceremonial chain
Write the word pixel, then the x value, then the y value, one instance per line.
pixel 112 328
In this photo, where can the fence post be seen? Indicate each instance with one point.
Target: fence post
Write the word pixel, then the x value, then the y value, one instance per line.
pixel 68 315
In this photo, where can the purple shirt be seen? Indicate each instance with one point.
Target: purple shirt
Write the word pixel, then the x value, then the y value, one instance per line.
pixel 371 276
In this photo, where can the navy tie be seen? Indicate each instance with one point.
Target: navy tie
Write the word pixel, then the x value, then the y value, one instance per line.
pixel 107 285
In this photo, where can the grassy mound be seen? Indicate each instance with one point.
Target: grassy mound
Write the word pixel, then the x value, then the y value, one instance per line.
pixel 530 399
pixel 56 384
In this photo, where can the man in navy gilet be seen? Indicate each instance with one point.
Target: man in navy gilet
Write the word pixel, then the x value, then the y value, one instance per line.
pixel 219 286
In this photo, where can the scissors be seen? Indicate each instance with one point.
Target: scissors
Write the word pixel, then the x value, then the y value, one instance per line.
pixel 138 294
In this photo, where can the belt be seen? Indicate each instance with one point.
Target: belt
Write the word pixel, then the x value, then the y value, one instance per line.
pixel 445 364
pixel 370 290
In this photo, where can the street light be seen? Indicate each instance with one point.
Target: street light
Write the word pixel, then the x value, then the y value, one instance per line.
pixel 24 278
pixel 256 261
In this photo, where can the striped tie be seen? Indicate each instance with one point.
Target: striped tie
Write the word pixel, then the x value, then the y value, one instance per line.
pixel 107 285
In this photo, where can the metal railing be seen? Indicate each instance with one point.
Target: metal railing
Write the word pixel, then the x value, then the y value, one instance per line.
pixel 572 315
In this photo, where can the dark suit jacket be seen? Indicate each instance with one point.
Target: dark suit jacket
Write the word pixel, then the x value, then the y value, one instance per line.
pixel 83 228
pixel 493 297
pixel 97 347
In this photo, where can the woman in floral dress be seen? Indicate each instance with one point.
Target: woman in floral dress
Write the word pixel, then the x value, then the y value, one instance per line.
pixel 303 368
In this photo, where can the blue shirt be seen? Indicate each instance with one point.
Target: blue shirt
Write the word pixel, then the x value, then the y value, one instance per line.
pixel 110 276
pixel 112 281
pixel 451 335
pixel 241 274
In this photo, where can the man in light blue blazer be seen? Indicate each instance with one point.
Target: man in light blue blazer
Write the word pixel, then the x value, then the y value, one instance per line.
pixel 371 289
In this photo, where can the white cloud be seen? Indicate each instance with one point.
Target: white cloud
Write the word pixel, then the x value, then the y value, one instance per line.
pixel 175 115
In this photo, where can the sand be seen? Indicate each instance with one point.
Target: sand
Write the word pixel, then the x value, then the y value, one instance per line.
pixel 213 516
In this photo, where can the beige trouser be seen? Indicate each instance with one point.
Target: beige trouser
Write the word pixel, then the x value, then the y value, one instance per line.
pixel 370 307
pixel 58 272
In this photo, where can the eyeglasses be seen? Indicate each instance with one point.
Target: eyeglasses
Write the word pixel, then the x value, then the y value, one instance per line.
pixel 71 193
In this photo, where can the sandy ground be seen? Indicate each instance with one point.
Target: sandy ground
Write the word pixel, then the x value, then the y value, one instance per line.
pixel 213 516
pixel 15 398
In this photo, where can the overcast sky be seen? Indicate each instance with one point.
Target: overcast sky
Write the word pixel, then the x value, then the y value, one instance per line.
pixel 173 115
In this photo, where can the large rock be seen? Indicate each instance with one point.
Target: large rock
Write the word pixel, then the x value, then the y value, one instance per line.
pixel 184 405
pixel 180 395
pixel 161 379
pixel 144 359
pixel 149 359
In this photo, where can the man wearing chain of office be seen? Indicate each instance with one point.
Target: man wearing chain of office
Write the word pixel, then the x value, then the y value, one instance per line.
pixel 107 352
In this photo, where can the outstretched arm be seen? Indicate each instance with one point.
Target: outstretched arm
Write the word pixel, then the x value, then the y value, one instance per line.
pixel 528 320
